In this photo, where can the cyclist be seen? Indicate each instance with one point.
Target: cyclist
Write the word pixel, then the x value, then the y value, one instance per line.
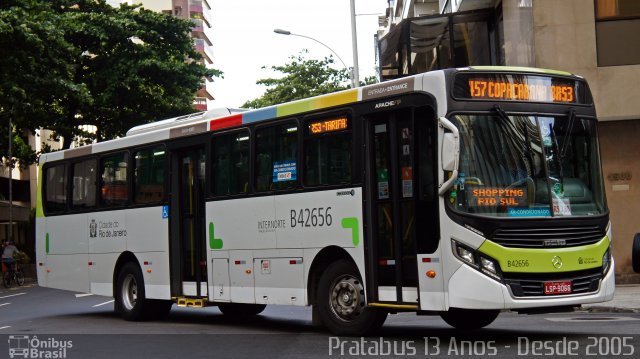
pixel 7 255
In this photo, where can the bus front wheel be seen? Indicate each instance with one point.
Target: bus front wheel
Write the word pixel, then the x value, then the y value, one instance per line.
pixel 130 295
pixel 469 319
pixel 341 302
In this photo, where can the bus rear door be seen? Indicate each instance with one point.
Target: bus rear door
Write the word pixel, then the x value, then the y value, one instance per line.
pixel 188 246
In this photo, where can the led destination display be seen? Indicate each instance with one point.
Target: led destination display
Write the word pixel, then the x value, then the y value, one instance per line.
pixel 527 88
pixel 328 125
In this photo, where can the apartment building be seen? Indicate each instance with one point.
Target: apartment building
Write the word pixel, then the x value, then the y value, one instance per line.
pixel 200 13
pixel 597 39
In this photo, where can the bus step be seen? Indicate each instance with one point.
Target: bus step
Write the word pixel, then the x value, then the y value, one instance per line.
pixel 191 302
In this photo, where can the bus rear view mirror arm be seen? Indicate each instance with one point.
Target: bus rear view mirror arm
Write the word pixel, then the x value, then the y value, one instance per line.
pixel 450 153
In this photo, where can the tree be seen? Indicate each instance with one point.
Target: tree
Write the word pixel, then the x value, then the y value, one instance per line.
pixel 83 62
pixel 303 78
pixel 133 63
pixel 35 73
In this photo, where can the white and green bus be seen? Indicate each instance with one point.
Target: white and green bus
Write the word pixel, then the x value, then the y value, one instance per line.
pixel 459 193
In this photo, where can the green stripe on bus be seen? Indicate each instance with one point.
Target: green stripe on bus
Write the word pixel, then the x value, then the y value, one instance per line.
pixel 39 210
pixel 214 243
pixel 46 243
pixel 521 69
pixel 526 260
pixel 352 223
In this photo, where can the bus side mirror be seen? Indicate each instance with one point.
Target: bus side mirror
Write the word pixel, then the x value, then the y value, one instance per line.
pixel 449 153
pixel 449 147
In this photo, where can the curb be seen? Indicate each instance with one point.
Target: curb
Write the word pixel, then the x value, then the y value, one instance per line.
pixel 603 309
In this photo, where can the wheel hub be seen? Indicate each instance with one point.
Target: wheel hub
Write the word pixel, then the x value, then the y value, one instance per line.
pixel 129 292
pixel 347 299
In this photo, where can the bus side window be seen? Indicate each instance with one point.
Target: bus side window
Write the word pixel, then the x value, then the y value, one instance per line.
pixel 83 194
pixel 55 189
pixel 148 175
pixel 114 186
pixel 230 167
pixel 276 157
pixel 328 155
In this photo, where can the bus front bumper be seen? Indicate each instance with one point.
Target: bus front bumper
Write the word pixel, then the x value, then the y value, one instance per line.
pixel 470 289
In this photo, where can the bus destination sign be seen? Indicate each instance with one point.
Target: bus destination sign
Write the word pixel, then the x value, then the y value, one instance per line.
pixel 502 90
pixel 527 88
pixel 328 125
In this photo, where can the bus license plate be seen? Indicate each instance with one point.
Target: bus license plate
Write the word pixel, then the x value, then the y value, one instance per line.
pixel 557 287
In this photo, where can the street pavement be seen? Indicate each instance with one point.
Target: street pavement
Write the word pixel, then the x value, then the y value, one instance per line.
pixel 625 300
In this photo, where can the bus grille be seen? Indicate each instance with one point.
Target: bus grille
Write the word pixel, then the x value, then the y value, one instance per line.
pixel 548 237
pixel 532 285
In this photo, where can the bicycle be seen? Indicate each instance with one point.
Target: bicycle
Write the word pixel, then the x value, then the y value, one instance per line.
pixel 13 274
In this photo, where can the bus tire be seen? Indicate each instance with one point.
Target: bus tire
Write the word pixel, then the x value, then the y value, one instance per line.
pixel 236 310
pixel 469 319
pixel 341 302
pixel 635 253
pixel 130 300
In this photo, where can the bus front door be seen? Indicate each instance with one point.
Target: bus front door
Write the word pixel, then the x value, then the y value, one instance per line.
pixel 188 247
pixel 401 200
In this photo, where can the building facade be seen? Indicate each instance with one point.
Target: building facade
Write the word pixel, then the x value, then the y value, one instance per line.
pixel 200 13
pixel 597 39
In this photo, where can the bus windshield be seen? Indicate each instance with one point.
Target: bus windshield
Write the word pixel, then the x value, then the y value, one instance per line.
pixel 528 166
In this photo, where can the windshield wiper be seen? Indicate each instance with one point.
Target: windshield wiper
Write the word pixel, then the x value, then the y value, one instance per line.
pixel 557 155
pixel 567 134
pixel 526 146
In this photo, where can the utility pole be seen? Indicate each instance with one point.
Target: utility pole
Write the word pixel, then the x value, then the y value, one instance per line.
pixel 10 177
pixel 354 43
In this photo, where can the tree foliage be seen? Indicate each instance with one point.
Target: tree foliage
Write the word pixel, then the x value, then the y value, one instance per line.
pixel 302 78
pixel 83 62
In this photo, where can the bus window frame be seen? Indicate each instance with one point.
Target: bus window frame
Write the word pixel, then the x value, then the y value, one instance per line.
pixel 131 173
pixel 254 155
pixel 128 202
pixel 45 168
pixel 346 112
pixel 209 180
pixel 70 208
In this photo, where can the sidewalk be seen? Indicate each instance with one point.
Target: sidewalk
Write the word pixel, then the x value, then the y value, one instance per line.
pixel 625 300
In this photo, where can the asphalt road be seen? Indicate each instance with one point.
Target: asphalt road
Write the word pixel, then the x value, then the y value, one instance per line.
pixel 57 324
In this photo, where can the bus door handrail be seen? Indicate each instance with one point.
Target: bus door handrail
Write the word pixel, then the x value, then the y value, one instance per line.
pixel 445 123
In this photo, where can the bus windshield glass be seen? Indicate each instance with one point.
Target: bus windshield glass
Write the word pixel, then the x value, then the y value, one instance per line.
pixel 528 166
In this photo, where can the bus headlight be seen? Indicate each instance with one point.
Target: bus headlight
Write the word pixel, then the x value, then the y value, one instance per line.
pixel 606 261
pixel 471 257
pixel 489 268
pixel 466 255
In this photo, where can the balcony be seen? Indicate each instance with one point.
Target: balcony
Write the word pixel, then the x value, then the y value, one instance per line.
pixel 201 30
pixel 195 6
pixel 200 103
pixel 201 46
pixel 198 25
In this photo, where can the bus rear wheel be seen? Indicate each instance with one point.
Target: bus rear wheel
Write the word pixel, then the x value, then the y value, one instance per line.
pixel 241 310
pixel 341 302
pixel 469 319
pixel 130 300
